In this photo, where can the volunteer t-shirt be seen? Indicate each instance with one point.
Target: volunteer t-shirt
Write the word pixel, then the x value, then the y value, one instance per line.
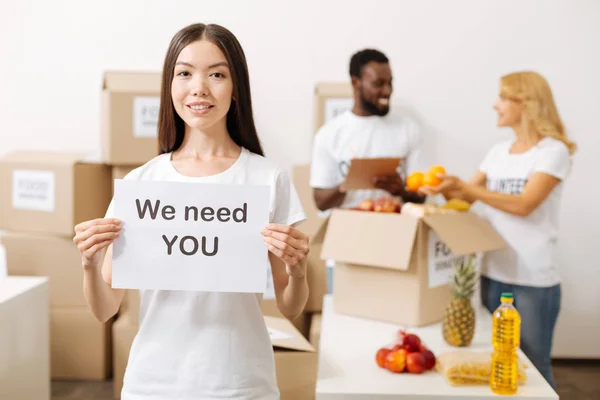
pixel 531 256
pixel 349 136
pixel 207 345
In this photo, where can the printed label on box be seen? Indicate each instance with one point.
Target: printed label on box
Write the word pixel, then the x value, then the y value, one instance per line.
pixel 33 190
pixel 145 116
pixel 440 260
pixel 274 334
pixel 337 106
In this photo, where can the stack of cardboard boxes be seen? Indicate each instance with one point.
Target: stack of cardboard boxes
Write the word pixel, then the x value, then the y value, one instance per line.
pixel 42 197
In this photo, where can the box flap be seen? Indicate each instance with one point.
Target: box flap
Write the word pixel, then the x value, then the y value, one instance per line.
pixel 370 238
pixel 465 232
pixel 130 81
pixel 334 89
pixel 284 335
pixel 43 157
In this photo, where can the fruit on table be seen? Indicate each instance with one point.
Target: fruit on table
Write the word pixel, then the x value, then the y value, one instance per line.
pixel 406 354
pixel 429 359
pixel 412 342
pixel 457 204
pixel 395 361
pixel 386 204
pixel 381 355
pixel 383 204
pixel 458 326
pixel 367 205
pixel 414 181
pixel 415 363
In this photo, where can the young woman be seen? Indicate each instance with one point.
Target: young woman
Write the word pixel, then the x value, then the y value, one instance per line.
pixel 520 182
pixel 201 345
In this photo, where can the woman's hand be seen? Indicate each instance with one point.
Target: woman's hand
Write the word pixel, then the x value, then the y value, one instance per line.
pixel 93 236
pixel 288 244
pixel 450 186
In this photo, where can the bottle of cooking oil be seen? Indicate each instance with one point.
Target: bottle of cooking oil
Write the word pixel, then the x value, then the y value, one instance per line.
pixel 506 338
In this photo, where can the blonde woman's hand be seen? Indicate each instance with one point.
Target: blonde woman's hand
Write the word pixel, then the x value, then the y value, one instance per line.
pixel 93 236
pixel 288 244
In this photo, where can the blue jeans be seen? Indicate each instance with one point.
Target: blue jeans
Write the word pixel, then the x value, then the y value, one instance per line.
pixel 539 308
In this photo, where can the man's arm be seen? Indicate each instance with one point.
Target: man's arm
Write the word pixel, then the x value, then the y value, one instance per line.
pixel 326 199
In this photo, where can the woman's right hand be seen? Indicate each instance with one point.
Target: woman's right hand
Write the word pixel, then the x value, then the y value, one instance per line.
pixel 93 236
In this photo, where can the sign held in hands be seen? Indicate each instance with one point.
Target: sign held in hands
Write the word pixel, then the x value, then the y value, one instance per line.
pixel 190 236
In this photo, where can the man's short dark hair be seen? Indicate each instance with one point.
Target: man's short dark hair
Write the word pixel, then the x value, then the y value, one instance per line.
pixel 362 58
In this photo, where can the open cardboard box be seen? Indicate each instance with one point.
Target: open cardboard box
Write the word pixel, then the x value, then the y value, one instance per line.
pixel 396 267
pixel 295 360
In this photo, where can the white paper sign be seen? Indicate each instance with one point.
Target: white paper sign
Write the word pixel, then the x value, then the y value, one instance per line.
pixel 269 293
pixel 33 190
pixel 440 261
pixel 145 116
pixel 337 106
pixel 274 334
pixel 191 236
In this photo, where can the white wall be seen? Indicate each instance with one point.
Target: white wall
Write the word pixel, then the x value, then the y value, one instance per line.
pixel 447 57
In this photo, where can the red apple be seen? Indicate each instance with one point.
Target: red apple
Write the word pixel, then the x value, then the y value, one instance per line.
pixel 381 355
pixel 413 342
pixel 395 361
pixel 386 204
pixel 429 359
pixel 415 363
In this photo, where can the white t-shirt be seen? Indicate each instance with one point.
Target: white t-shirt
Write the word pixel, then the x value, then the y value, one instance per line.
pixel 208 345
pixel 531 258
pixel 349 136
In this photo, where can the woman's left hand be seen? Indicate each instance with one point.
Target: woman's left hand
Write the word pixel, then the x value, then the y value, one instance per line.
pixel 449 184
pixel 290 245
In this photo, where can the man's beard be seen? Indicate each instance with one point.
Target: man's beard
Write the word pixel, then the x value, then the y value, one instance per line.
pixel 372 108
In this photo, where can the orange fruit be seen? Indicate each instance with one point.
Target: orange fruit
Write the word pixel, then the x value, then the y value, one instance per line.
pixel 437 169
pixel 431 179
pixel 414 181
pixel 395 361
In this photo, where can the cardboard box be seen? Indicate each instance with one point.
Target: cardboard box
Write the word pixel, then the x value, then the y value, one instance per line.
pixel 51 192
pixel 331 99
pixel 130 106
pixel 395 267
pixel 315 330
pixel 119 172
pixel 123 331
pixel 314 227
pixel 295 360
pixel 80 345
pixel 24 338
pixel 56 257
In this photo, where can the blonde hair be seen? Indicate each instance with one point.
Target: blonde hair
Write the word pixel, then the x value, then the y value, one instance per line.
pixel 540 115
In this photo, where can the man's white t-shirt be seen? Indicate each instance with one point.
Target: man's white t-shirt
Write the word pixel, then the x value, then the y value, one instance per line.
pixel 531 256
pixel 349 136
pixel 208 345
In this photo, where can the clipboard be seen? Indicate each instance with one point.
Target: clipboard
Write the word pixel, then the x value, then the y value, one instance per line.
pixel 362 170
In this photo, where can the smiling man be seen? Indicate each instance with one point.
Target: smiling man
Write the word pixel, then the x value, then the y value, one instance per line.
pixel 366 131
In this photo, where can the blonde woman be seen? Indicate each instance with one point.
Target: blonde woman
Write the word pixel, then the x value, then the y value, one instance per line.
pixel 520 183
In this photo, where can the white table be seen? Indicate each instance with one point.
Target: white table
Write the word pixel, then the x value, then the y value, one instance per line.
pixel 24 338
pixel 347 368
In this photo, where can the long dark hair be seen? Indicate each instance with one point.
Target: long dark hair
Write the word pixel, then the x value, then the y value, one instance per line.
pixel 240 120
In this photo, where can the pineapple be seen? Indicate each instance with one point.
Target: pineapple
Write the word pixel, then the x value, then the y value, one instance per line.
pixel 459 320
